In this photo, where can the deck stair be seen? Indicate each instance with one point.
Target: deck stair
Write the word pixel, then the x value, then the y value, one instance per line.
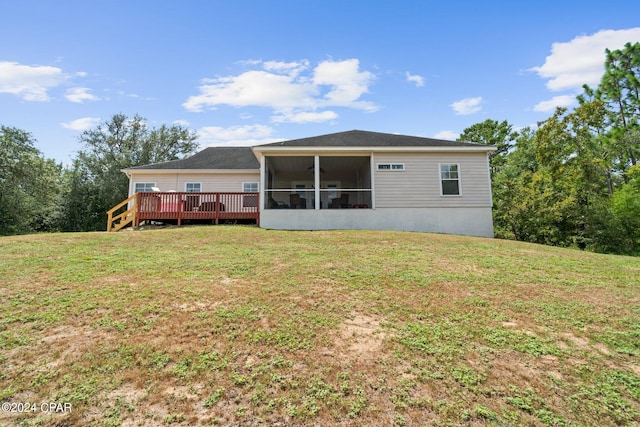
pixel 127 217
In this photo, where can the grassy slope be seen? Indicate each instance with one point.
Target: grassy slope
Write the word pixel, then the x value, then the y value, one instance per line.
pixel 235 325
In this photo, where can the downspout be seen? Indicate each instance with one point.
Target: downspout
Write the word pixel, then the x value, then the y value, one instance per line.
pixel 129 176
pixel 489 173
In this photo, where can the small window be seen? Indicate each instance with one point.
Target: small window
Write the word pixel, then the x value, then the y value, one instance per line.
pixel 192 187
pixel 450 179
pixel 144 187
pixel 250 187
pixel 390 166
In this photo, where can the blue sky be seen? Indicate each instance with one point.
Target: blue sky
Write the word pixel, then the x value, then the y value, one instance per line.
pixel 247 72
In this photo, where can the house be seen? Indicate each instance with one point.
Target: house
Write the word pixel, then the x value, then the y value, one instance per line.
pixel 221 169
pixel 346 180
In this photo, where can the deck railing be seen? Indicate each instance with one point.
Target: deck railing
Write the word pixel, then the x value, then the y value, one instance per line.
pixel 197 206
pixel 179 206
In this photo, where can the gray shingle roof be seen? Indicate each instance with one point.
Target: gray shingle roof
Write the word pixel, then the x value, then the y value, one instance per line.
pixel 243 157
pixel 212 158
pixel 360 138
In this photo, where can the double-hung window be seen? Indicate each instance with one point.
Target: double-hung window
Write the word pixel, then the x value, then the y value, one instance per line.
pixel 450 179
pixel 250 201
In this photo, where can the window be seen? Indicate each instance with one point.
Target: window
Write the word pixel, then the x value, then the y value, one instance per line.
pixel 390 166
pixel 250 187
pixel 144 186
pixel 450 179
pixel 192 187
pixel 250 201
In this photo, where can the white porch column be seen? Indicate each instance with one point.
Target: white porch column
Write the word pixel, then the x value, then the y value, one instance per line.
pixel 373 181
pixel 263 172
pixel 316 179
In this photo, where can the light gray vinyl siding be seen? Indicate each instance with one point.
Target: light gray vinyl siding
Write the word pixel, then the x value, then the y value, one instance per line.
pixel 211 182
pixel 418 186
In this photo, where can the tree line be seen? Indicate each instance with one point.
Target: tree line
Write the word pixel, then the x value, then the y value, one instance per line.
pixel 574 180
pixel 37 194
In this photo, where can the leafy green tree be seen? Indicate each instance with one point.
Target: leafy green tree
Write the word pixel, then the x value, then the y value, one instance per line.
pixel 626 208
pixel 572 149
pixel 555 185
pixel 29 185
pixel 513 205
pixel 96 182
pixel 492 132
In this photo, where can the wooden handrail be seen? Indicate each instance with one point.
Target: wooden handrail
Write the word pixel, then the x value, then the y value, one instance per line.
pixel 121 204
pixel 126 217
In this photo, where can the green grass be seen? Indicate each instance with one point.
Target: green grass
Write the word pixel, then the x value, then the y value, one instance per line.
pixel 239 325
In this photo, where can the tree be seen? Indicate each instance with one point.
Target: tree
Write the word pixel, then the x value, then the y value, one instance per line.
pixel 492 132
pixel 96 182
pixel 555 185
pixel 626 208
pixel 572 149
pixel 619 89
pixel 29 185
pixel 513 206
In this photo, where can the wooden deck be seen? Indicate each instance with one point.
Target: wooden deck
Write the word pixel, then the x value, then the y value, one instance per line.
pixel 180 206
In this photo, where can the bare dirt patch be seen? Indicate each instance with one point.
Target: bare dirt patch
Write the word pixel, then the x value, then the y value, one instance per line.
pixel 581 343
pixel 360 337
pixel 69 343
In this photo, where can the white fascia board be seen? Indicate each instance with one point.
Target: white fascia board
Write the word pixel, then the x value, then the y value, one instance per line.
pixel 175 171
pixel 345 150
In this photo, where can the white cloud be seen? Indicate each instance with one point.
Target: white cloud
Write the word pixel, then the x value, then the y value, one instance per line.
pixel 84 123
pixel 347 84
pixel 304 117
pixel 293 90
pixel 80 94
pixel 184 123
pixel 30 83
pixel 446 134
pixel 250 62
pixel 416 79
pixel 253 88
pixel 581 60
pixel 467 106
pixel 236 135
pixel 289 68
pixel 556 101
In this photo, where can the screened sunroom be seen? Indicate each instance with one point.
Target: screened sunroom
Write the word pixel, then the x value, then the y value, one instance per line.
pixel 317 182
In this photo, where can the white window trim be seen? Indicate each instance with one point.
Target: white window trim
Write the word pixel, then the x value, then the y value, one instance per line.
pixel 187 183
pixel 399 167
pixel 252 183
pixel 153 184
pixel 459 180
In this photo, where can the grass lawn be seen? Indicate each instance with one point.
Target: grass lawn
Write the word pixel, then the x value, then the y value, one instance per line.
pixel 243 326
